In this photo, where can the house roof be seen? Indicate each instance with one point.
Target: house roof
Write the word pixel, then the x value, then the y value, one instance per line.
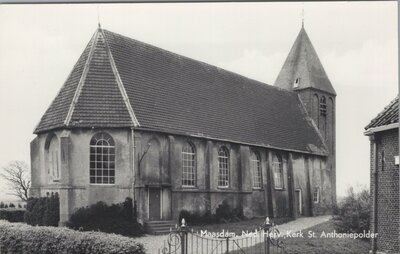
pixel 389 115
pixel 122 82
pixel 303 64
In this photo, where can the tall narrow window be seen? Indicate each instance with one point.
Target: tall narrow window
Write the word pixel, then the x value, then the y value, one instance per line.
pixel 102 159
pixel 52 148
pixel 188 166
pixel 255 165
pixel 223 168
pixel 322 106
pixel 316 195
pixel 277 167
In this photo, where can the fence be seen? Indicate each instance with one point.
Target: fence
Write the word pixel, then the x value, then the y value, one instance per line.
pixel 264 240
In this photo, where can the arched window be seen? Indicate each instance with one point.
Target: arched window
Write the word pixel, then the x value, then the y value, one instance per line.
pixel 188 166
pixel 277 168
pixel 315 109
pixel 255 165
pixel 102 159
pixel 223 168
pixel 322 106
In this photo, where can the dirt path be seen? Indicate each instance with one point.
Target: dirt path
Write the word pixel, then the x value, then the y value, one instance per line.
pixel 153 243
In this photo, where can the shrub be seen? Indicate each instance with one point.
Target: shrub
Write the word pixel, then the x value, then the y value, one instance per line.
pixel 223 213
pixel 352 214
pixel 11 205
pixel 44 211
pixel 226 213
pixel 117 218
pixel 196 219
pixel 22 238
pixel 1 205
pixel 12 215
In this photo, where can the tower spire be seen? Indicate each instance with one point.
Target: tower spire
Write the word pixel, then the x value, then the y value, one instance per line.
pixel 302 16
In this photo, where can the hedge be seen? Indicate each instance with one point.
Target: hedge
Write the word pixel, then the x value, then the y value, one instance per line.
pixel 44 211
pixel 21 238
pixel 224 213
pixel 116 218
pixel 12 214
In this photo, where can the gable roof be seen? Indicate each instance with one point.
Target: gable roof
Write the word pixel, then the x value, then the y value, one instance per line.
pixel 122 82
pixel 303 63
pixel 389 115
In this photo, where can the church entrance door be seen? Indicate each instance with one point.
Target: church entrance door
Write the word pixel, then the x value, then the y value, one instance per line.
pixel 154 195
pixel 298 202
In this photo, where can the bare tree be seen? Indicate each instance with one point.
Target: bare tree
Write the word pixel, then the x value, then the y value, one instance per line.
pixel 16 173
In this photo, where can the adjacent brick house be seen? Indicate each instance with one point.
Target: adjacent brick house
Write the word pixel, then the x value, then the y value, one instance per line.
pixel 383 132
pixel 173 133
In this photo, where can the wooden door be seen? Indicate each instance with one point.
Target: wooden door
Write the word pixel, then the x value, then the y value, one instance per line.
pixel 154 203
pixel 298 202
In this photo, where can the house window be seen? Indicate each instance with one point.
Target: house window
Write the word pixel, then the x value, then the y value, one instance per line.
pixel 316 195
pixel 322 106
pixel 255 165
pixel 102 159
pixel 188 166
pixel 277 167
pixel 223 168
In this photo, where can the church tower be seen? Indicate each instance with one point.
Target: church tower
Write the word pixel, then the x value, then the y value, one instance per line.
pixel 304 74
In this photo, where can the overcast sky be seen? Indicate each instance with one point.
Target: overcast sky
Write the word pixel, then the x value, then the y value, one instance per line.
pixel 356 42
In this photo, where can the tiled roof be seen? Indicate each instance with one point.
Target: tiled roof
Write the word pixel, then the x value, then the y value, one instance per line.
pixel 172 93
pixel 389 115
pixel 303 63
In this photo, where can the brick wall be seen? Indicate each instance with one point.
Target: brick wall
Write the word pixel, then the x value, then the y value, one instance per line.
pixel 387 202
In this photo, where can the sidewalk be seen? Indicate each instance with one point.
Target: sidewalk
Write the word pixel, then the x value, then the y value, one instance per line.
pixel 153 242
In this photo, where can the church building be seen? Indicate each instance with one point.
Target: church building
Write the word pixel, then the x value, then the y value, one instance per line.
pixel 173 133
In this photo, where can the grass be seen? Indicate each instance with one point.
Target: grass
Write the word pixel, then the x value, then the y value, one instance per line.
pixel 326 245
pixel 238 227
pixel 319 245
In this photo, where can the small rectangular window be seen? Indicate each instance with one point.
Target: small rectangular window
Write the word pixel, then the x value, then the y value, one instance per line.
pixel 316 195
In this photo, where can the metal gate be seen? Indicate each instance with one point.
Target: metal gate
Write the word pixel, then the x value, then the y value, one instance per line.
pixel 264 240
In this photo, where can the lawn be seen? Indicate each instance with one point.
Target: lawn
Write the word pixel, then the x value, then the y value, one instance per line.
pixel 320 245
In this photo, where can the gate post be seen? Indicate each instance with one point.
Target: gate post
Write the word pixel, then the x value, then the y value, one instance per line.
pixel 227 245
pixel 267 226
pixel 183 233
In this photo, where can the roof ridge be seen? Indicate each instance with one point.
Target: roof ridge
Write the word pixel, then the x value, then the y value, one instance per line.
pixel 120 83
pixel 217 68
pixel 81 80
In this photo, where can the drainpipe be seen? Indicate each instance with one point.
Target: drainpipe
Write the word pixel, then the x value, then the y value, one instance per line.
pixel 133 181
pixel 375 194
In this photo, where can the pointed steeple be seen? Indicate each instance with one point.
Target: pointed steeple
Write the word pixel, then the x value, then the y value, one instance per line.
pixel 302 68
